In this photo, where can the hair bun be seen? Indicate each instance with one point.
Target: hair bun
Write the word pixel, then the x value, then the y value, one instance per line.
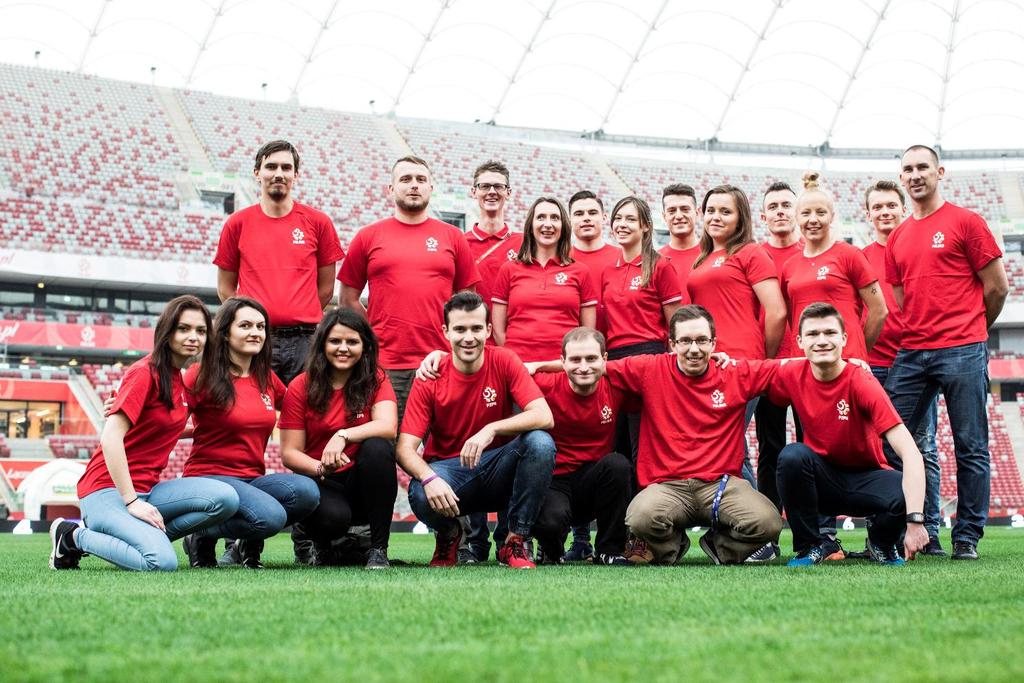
pixel 811 180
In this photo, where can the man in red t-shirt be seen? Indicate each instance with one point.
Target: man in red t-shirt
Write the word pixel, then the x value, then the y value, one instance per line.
pixel 885 208
pixel 590 480
pixel 480 457
pixel 412 263
pixel 691 448
pixel 840 469
pixel 283 254
pixel 681 213
pixel 490 240
pixel 947 274
pixel 778 213
pixel 586 216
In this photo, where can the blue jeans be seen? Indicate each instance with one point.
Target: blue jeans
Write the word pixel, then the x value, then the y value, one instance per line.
pixel 961 373
pixel 266 505
pixel 924 437
pixel 187 505
pixel 515 476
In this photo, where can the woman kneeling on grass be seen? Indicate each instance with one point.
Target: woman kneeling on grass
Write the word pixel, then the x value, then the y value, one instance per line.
pixel 130 519
pixel 338 420
pixel 233 395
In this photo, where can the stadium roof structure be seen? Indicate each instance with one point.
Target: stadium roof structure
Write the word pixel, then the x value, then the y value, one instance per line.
pixel 826 74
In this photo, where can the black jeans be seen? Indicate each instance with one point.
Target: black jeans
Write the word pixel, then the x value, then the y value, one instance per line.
pixel 288 355
pixel 809 485
pixel 770 424
pixel 363 494
pixel 600 490
pixel 401 382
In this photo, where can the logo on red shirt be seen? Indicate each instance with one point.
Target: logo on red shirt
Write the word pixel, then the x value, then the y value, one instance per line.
pixel 717 399
pixel 561 278
pixel 511 255
pixel 606 415
pixel 822 272
pixel 490 397
pixel 634 284
pixel 843 408
pixel 938 241
pixel 718 262
pixel 267 401
pixel 431 244
pixel 298 237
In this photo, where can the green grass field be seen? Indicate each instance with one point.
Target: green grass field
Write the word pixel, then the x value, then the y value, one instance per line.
pixel 933 620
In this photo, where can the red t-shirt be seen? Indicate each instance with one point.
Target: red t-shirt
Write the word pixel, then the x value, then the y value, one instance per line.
pixel 277 259
pixel 232 442
pixel 597 261
pixel 682 263
pixel 842 419
pixel 481 243
pixel 455 406
pixel 725 286
pixel 296 414
pixel 835 277
pixel 635 313
pixel 936 260
pixel 412 270
pixel 690 427
pixel 154 431
pixel 584 428
pixel 544 302
pixel 883 353
pixel 779 256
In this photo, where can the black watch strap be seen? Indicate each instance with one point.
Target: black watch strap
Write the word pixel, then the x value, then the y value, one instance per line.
pixel 915 518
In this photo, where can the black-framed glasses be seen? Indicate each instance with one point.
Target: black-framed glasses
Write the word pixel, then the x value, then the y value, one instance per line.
pixel 702 342
pixel 487 187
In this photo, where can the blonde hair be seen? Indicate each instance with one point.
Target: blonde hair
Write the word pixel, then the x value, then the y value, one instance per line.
pixel 812 186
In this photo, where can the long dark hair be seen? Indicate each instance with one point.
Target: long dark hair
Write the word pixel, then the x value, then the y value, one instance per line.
pixel 362 384
pixel 648 254
pixel 166 325
pixel 214 378
pixel 744 228
pixel 563 249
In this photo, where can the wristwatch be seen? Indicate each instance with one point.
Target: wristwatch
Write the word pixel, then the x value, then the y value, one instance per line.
pixel 915 518
pixel 342 433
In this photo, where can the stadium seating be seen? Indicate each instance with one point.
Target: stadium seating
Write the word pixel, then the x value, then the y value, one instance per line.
pixel 104 378
pixel 1015 275
pixel 77 317
pixel 80 447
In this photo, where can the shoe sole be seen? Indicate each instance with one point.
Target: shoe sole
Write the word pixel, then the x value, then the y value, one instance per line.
pixel 53 541
pixel 705 545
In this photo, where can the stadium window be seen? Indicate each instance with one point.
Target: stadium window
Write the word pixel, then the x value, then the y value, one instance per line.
pixel 17 298
pixel 456 219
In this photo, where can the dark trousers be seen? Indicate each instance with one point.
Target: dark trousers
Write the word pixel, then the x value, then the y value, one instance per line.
pixel 810 486
pixel 401 382
pixel 288 355
pixel 627 428
pixel 597 490
pixel 362 494
pixel 770 424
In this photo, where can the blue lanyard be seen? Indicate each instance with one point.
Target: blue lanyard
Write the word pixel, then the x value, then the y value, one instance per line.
pixel 717 502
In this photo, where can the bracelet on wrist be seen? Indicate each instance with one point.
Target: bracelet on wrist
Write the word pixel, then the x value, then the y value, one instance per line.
pixel 320 471
pixel 131 501
pixel 427 480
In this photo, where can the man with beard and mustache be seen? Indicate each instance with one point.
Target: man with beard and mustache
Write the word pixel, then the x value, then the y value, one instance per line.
pixel 413 263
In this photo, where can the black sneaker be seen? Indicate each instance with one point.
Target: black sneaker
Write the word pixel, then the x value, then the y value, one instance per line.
pixel 230 558
pixel 833 549
pixel 201 551
pixel 965 550
pixel 891 556
pixel 708 546
pixel 302 545
pixel 612 560
pixel 764 554
pixel 809 558
pixel 323 555
pixel 579 551
pixel 377 558
pixel 934 548
pixel 64 554
pixel 466 556
pixel 249 550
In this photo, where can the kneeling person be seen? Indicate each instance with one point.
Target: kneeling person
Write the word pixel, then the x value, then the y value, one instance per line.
pixel 840 468
pixel 481 457
pixel 589 481
pixel 691 448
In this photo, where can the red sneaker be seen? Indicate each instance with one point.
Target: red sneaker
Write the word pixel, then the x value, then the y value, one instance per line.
pixel 514 553
pixel 446 550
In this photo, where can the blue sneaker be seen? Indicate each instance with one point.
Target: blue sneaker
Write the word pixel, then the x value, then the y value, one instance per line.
pixel 891 557
pixel 816 555
pixel 579 551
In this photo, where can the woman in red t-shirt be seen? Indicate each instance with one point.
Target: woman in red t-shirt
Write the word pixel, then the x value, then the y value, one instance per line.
pixel 234 396
pixel 831 271
pixel 337 426
pixel 543 293
pixel 130 519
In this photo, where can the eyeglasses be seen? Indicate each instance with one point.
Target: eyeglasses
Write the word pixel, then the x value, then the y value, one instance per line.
pixel 702 342
pixel 487 187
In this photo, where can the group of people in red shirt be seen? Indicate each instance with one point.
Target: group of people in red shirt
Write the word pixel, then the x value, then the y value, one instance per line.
pixel 559 383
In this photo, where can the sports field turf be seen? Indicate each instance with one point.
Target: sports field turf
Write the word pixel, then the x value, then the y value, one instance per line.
pixel 932 620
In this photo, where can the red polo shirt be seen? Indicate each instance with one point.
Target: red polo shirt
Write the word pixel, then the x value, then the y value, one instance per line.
pixel 277 259
pixel 412 271
pixel 883 353
pixel 455 406
pixel 682 263
pixel 231 442
pixel 490 252
pixel 779 256
pixel 597 261
pixel 725 286
pixel 690 427
pixel 635 313
pixel 936 260
pixel 584 428
pixel 296 414
pixel 835 277
pixel 153 433
pixel 544 302
pixel 842 419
